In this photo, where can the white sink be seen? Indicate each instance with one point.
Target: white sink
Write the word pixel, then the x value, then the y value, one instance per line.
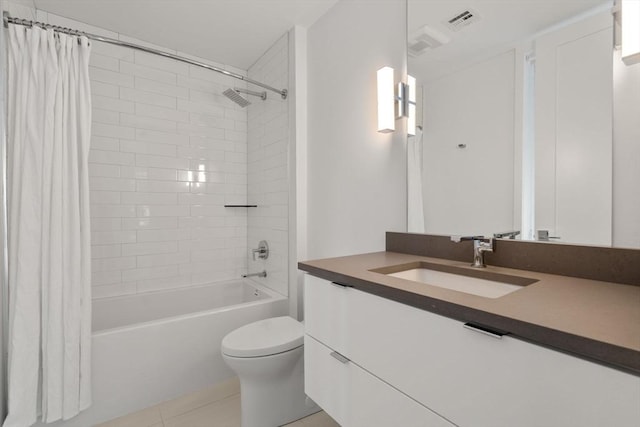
pixel 460 282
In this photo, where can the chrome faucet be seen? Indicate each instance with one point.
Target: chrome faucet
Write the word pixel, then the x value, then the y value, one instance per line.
pixel 481 245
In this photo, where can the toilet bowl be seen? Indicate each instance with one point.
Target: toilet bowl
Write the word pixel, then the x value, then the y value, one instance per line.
pixel 268 357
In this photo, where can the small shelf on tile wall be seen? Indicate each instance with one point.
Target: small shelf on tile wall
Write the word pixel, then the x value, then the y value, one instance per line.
pixel 240 206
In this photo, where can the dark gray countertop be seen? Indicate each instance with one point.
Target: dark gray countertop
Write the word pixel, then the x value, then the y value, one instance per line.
pixel 593 319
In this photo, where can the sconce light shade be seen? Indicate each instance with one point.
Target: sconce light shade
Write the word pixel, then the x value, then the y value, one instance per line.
pixel 630 31
pixel 386 100
pixel 411 122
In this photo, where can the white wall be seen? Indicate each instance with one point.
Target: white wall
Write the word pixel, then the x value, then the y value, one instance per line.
pixel 356 176
pixel 3 284
pixel 470 191
pixel 268 161
pixel 297 165
pixel 626 154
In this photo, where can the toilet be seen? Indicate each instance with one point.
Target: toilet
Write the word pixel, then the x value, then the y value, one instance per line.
pixel 267 355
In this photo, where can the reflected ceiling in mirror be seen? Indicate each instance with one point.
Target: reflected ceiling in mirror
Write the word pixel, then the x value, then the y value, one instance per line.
pixel 484 28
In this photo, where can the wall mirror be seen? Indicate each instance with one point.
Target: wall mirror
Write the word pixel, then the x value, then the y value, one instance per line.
pixel 515 104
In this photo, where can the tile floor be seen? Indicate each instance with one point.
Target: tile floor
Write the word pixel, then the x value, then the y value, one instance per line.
pixel 217 406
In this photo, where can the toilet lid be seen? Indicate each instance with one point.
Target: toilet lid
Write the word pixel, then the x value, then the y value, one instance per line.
pixel 264 337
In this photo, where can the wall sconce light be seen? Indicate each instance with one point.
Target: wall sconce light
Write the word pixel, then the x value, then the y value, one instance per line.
pixel 395 104
pixel 386 101
pixel 630 31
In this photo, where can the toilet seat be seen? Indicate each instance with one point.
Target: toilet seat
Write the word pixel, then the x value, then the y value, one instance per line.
pixel 264 338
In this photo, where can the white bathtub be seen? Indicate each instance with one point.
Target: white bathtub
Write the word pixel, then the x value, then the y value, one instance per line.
pixel 153 347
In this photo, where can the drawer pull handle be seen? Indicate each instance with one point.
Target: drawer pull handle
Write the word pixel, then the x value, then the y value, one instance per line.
pixel 484 330
pixel 339 357
pixel 341 285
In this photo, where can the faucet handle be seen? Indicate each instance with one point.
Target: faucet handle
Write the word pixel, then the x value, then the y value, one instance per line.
pixel 507 234
pixel 458 239
pixel 262 251
pixel 543 235
pixel 486 244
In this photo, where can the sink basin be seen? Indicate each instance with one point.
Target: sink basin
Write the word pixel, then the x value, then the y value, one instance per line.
pixel 476 282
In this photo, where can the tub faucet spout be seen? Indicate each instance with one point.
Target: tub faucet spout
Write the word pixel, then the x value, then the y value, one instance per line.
pixel 263 273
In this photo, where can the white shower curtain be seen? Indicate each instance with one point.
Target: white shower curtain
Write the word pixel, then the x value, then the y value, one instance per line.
pixel 415 206
pixel 49 124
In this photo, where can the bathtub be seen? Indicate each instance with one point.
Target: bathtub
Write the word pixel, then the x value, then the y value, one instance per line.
pixel 153 347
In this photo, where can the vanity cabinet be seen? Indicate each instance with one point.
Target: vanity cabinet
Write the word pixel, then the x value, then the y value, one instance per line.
pixel 466 377
pixel 354 397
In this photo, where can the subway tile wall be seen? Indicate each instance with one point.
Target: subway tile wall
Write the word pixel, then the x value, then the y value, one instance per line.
pixel 268 146
pixel 168 150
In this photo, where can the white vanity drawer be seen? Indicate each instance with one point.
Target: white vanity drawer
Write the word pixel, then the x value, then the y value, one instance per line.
pixel 355 398
pixel 476 380
pixel 325 312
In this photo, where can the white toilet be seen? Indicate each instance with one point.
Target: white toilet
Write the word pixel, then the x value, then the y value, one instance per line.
pixel 268 357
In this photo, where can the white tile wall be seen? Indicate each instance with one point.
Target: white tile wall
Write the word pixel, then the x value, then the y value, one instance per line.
pixel 167 153
pixel 268 184
pixel 168 150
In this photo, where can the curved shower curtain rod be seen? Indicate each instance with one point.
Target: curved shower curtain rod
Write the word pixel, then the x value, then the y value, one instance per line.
pixel 17 21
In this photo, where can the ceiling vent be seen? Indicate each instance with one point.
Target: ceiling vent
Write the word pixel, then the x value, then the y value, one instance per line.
pixel 461 20
pixel 425 38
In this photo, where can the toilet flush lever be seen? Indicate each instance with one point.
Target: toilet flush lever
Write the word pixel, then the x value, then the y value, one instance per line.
pixel 262 251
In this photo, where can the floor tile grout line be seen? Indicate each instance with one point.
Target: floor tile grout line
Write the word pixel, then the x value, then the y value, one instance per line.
pixel 196 408
pixel 203 404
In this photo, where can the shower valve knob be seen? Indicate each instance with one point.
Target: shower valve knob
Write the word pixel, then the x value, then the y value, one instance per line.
pixel 262 251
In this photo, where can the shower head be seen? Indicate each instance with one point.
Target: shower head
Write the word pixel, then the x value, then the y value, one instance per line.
pixel 236 97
